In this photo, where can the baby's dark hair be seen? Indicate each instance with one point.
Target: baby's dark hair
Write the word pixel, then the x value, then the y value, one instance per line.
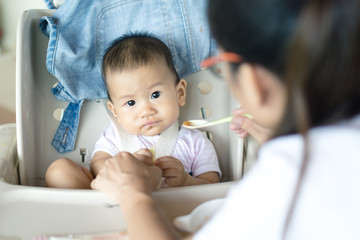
pixel 134 50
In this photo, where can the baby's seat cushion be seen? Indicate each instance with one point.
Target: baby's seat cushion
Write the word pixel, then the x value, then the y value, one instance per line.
pixel 80 32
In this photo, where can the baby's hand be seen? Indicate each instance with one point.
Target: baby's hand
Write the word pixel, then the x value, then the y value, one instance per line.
pixel 172 171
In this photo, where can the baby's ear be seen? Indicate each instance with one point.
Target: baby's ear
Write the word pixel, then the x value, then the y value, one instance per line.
pixel 112 108
pixel 181 92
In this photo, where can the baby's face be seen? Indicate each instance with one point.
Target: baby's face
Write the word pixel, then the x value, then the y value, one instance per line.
pixel 146 100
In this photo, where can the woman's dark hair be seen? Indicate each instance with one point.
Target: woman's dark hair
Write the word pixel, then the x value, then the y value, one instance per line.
pixel 258 30
pixel 312 46
pixel 133 50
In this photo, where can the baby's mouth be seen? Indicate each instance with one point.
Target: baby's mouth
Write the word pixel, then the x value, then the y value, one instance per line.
pixel 150 123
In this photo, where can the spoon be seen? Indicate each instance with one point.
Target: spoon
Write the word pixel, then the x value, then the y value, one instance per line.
pixel 192 124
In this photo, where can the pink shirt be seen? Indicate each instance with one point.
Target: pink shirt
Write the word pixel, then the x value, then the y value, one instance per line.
pixel 192 148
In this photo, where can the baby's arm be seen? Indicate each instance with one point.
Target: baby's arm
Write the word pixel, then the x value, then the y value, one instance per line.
pixel 97 162
pixel 175 176
pixel 205 178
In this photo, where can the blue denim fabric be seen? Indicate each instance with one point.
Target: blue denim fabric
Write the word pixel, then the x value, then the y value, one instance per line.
pixel 64 140
pixel 50 4
pixel 80 32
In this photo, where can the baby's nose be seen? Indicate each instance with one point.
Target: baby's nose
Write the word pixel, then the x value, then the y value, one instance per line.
pixel 147 110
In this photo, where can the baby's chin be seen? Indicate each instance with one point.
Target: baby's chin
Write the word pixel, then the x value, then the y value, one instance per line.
pixel 150 132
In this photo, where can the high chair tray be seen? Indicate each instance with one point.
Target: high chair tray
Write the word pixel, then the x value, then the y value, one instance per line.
pixel 34 211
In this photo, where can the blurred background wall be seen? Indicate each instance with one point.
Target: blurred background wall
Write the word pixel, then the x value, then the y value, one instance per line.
pixel 10 11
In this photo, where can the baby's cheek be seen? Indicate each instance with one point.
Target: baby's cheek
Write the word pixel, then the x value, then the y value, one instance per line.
pixel 173 114
pixel 130 127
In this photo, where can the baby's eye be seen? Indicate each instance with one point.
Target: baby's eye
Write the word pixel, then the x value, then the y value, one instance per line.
pixel 155 94
pixel 130 103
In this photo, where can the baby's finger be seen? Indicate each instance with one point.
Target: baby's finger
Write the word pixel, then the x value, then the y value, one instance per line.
pixel 167 162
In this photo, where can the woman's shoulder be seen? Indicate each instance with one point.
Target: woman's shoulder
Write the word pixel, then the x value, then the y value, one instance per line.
pixel 334 139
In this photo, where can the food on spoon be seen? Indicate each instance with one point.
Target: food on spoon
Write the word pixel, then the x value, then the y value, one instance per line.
pixel 187 123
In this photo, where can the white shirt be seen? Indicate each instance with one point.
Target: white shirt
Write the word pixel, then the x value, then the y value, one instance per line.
pixel 192 148
pixel 328 206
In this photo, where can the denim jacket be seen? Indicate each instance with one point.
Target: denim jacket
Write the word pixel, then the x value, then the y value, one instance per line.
pixel 80 32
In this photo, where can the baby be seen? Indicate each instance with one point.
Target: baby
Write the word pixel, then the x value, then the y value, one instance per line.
pixel 145 93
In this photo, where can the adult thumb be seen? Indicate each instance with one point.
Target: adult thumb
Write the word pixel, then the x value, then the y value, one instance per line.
pixel 144 155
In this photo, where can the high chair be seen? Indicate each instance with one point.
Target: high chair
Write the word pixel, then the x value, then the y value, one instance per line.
pixel 29 209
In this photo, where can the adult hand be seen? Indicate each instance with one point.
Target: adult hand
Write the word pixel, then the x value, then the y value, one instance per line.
pixel 129 179
pixel 172 171
pixel 243 126
pixel 125 173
